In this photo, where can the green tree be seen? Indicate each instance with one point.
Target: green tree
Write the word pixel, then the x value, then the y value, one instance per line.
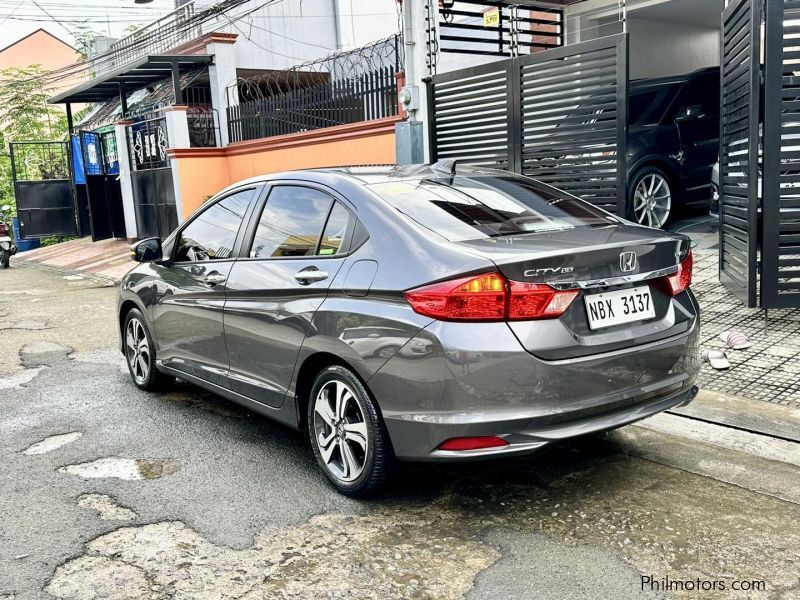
pixel 25 115
pixel 84 40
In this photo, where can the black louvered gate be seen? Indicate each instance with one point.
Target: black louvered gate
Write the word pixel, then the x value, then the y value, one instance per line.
pixel 559 115
pixel 739 146
pixel 780 273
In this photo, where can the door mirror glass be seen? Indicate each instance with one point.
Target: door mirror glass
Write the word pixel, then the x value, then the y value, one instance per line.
pixel 148 250
pixel 692 112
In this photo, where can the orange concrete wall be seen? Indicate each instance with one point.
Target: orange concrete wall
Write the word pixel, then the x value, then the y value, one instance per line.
pixel 205 171
pixel 41 48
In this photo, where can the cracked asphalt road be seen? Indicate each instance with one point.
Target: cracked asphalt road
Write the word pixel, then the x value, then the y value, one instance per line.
pixel 198 498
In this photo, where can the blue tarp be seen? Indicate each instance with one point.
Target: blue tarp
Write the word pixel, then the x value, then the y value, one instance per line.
pixel 77 161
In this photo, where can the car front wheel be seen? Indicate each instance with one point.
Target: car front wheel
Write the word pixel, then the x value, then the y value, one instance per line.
pixel 140 353
pixel 650 201
pixel 347 434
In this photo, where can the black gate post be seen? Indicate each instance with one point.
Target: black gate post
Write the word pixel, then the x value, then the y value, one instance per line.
pixel 623 76
pixel 771 176
pixel 514 104
pixel 430 92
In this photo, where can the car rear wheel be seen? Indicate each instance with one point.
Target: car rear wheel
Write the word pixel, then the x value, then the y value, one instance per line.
pixel 347 434
pixel 650 202
pixel 140 354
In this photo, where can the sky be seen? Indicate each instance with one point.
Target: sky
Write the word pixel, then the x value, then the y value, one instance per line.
pixel 18 18
pixel 107 17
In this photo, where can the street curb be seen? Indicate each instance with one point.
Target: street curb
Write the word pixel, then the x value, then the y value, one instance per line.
pixel 754 416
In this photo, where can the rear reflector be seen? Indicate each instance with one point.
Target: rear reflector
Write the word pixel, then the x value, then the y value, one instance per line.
pixel 489 297
pixel 679 282
pixel 473 443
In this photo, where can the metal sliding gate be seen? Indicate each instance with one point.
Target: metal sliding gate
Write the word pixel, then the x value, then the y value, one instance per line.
pixel 558 115
pixel 43 188
pixel 739 148
pixel 760 152
pixel 780 252
pixel 151 178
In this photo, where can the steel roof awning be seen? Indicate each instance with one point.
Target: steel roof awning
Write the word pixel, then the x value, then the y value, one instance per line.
pixel 143 72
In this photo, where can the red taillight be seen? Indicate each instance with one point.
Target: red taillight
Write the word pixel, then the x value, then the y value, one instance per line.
pixel 680 281
pixel 473 443
pixel 480 298
pixel 489 297
pixel 537 301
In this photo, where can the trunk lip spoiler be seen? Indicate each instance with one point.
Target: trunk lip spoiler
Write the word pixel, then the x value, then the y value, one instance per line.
pixel 612 281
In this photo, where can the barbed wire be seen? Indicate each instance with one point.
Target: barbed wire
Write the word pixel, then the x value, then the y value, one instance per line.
pixel 337 67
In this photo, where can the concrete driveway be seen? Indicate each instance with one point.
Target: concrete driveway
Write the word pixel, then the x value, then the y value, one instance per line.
pixel 109 492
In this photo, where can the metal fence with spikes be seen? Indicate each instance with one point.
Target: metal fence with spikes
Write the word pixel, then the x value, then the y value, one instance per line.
pixel 346 87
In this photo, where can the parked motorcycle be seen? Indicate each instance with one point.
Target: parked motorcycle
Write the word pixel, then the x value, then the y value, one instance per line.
pixel 7 246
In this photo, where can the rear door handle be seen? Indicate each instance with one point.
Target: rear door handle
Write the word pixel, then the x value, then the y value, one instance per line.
pixel 310 275
pixel 214 278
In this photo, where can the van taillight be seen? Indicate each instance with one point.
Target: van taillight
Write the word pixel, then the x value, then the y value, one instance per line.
pixel 489 297
pixel 680 281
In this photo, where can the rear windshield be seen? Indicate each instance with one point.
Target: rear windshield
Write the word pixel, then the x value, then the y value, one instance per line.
pixel 647 106
pixel 470 208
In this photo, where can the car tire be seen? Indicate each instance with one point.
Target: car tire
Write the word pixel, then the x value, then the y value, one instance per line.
pixel 347 434
pixel 5 258
pixel 651 197
pixel 140 354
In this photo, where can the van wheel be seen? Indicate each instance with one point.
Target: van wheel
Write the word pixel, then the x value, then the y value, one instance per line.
pixel 650 201
pixel 347 434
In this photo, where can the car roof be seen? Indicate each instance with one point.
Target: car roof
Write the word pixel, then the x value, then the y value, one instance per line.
pixel 643 83
pixel 365 174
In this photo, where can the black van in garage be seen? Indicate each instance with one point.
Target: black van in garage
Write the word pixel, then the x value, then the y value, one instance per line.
pixel 673 142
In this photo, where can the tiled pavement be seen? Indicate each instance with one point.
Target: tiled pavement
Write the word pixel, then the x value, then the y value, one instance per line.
pixel 770 369
pixel 109 259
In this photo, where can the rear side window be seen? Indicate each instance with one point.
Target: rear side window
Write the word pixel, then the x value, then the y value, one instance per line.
pixel 647 106
pixel 212 234
pixel 469 208
pixel 337 230
pixel 302 221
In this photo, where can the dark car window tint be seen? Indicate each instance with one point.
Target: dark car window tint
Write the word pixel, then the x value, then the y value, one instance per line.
pixel 291 223
pixel 475 207
pixel 704 91
pixel 336 231
pixel 647 106
pixel 212 234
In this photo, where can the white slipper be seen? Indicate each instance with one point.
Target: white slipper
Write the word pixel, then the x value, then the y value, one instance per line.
pixel 718 359
pixel 735 339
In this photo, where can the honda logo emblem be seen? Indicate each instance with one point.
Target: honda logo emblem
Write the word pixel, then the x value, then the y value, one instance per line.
pixel 627 262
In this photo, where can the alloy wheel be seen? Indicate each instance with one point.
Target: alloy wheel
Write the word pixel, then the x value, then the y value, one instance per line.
pixel 652 200
pixel 137 350
pixel 340 431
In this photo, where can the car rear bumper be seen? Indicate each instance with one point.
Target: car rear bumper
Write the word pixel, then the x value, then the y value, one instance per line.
pixel 504 391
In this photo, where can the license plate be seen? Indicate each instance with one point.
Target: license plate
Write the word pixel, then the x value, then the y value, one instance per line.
pixel 617 308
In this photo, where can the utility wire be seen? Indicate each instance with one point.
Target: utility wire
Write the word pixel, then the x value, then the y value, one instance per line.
pixel 214 12
pixel 7 17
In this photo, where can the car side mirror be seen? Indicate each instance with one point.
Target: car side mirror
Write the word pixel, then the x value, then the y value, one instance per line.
pixel 147 250
pixel 692 112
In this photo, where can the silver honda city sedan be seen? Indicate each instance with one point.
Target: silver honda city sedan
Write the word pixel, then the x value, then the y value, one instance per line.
pixel 427 313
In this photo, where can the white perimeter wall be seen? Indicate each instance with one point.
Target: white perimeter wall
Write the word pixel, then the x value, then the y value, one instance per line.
pixel 661 48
